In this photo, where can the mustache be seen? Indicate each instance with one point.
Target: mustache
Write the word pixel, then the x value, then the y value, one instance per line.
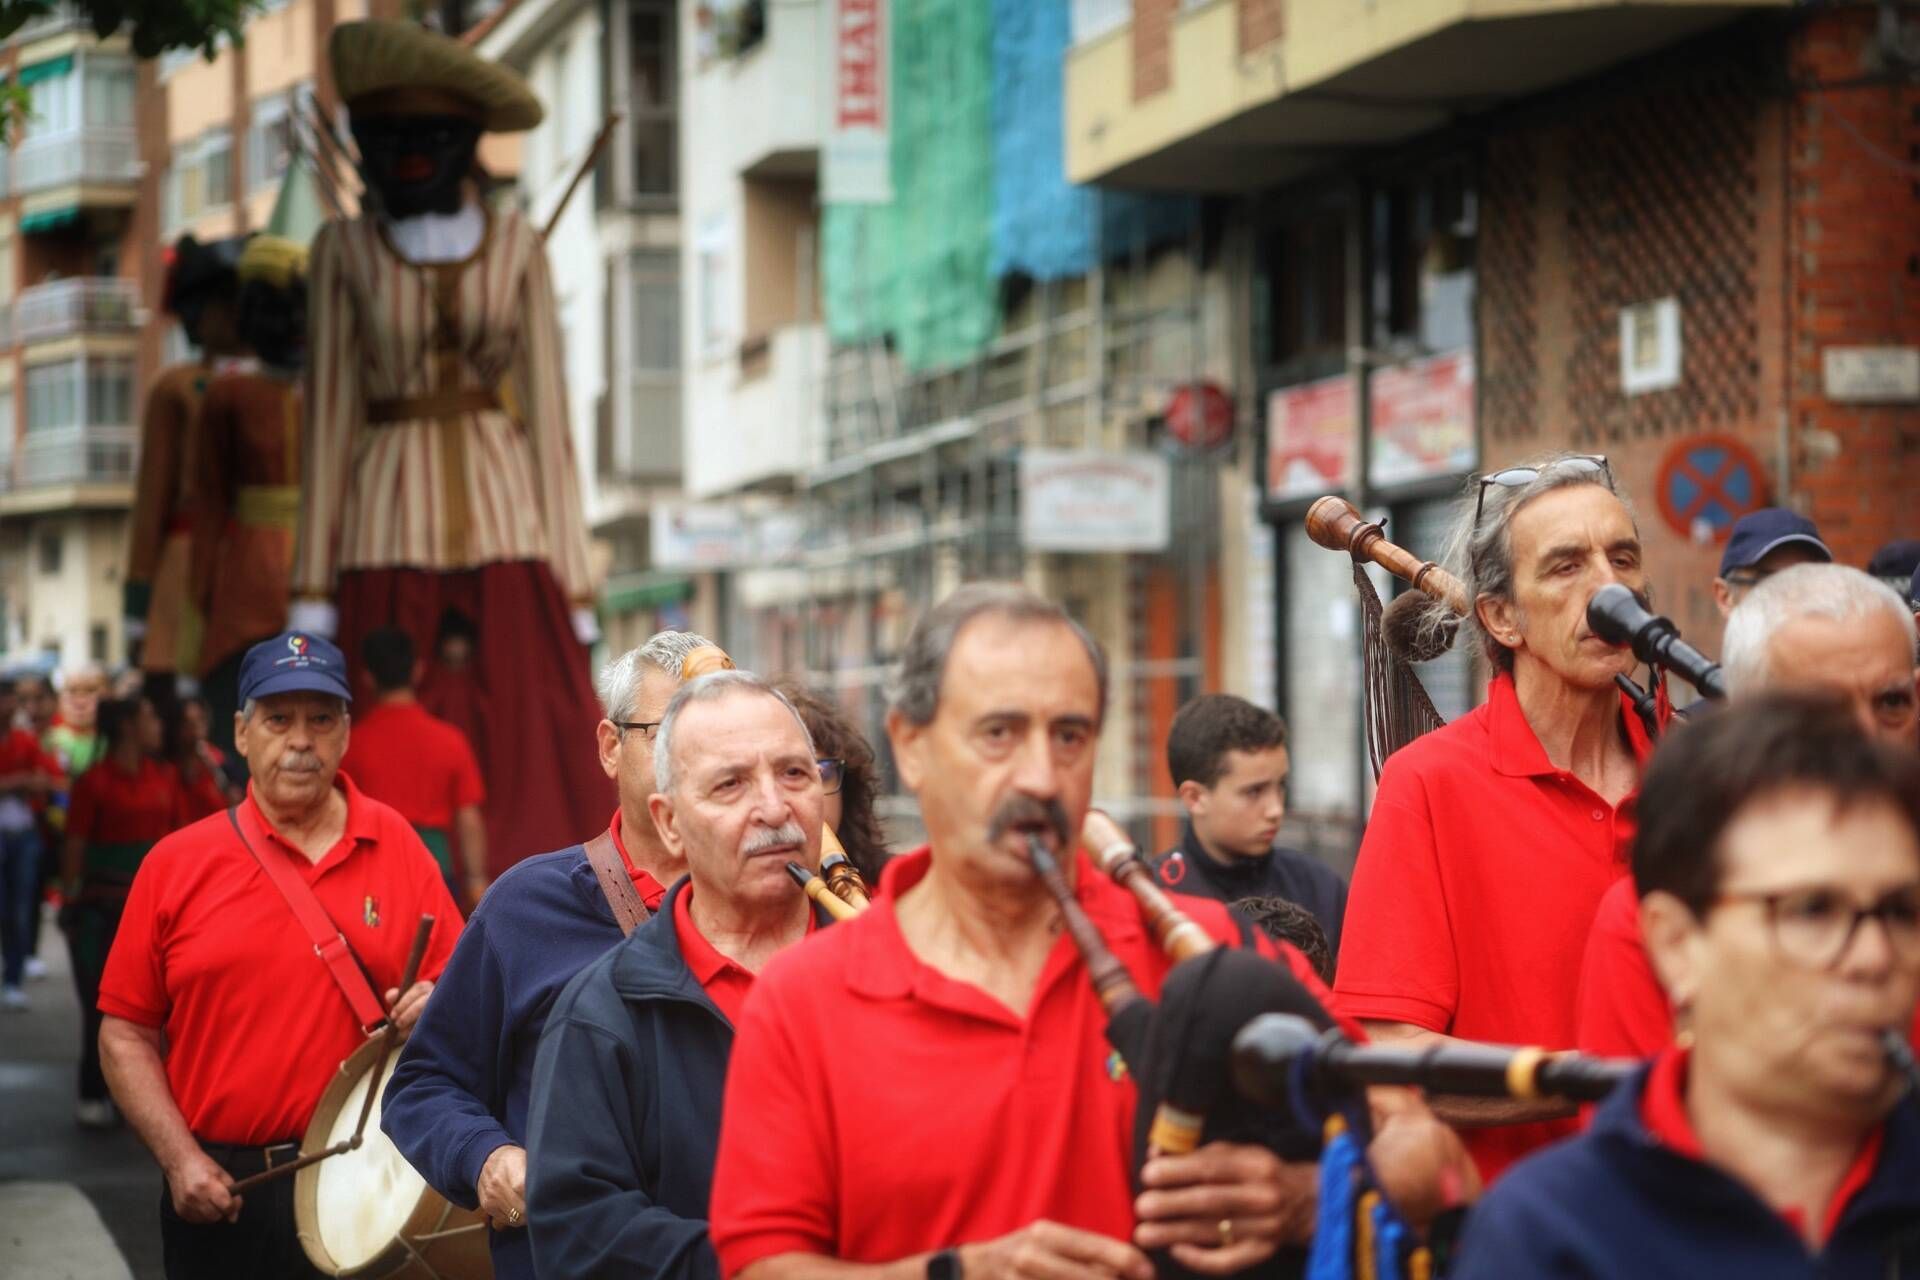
pixel 772 838
pixel 1023 811
pixel 299 762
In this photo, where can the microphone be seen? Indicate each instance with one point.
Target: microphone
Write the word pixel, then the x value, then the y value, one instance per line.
pixel 1617 617
pixel 1277 1053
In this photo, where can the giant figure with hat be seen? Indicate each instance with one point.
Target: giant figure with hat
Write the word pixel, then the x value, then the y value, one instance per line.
pixel 200 293
pixel 438 467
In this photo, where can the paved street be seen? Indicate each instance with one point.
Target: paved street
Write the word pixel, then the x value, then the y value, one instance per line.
pixel 40 1145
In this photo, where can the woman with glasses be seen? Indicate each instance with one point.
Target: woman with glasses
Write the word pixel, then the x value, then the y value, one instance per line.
pixel 847 769
pixel 1493 839
pixel 1780 854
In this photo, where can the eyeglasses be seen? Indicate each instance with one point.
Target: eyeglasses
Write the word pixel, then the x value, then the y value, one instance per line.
pixel 832 774
pixel 1519 477
pixel 645 728
pixel 1815 926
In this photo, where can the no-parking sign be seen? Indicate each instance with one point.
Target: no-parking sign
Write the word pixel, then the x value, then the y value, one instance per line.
pixel 1705 483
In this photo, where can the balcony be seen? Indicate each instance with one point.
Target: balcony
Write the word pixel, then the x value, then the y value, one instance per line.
pixel 755 419
pixel 66 308
pixel 59 21
pixel 96 157
pixel 772 93
pixel 66 467
pixel 1235 104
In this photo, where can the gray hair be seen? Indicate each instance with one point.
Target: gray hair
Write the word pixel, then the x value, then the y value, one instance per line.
pixel 915 690
pixel 1481 555
pixel 619 681
pixel 1831 591
pixel 712 687
pixel 247 708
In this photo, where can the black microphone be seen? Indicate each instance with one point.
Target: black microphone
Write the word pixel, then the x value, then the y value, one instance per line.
pixel 1277 1053
pixel 1617 617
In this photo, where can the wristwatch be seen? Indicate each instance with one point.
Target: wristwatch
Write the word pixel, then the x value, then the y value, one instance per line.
pixel 944 1265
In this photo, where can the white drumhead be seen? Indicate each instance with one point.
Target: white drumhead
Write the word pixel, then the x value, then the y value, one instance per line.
pixel 363 1198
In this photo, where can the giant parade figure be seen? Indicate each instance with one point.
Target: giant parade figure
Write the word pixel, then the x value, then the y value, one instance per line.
pixel 438 472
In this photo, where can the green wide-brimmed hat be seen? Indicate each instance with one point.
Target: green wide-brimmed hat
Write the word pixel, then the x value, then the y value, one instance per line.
pixel 391 67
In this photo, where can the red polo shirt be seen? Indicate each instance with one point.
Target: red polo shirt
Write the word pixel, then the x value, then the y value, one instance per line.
pixel 1476 884
pixel 724 980
pixel 651 891
pixel 1663 1109
pixel 21 752
pixel 111 806
pixel 877 1109
pixel 1623 1011
pixel 209 952
pixel 402 755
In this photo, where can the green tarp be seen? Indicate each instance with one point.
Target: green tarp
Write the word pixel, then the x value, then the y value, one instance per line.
pixel 918 268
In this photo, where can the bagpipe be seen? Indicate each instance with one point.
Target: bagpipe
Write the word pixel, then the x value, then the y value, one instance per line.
pixel 1237 1050
pixel 1418 626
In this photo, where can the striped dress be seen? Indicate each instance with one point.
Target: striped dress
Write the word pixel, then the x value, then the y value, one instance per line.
pixel 436 433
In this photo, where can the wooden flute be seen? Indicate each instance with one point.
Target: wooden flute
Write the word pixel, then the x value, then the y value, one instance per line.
pixel 1337 525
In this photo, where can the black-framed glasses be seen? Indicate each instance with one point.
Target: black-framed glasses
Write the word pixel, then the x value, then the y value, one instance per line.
pixel 1816 926
pixel 832 774
pixel 1519 477
pixel 646 728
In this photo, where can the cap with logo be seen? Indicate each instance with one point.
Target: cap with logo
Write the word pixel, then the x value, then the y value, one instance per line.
pixel 294 662
pixel 1758 534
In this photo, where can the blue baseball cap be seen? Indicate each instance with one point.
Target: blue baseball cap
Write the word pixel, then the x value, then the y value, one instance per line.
pixel 1758 534
pixel 294 662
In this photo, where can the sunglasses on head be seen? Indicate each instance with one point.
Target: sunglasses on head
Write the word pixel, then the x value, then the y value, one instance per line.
pixel 1520 477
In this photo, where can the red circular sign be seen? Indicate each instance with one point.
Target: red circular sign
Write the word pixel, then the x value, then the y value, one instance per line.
pixel 1208 426
pixel 1705 483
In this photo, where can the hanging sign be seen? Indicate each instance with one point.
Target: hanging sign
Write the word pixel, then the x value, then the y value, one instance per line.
pixel 854 167
pixel 1093 500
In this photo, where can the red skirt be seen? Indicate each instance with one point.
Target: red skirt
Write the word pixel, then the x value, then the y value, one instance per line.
pixel 545 787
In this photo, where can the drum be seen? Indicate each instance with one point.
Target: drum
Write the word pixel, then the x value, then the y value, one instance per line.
pixel 367 1213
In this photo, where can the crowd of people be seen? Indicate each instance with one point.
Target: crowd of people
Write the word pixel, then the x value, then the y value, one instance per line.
pixel 650 1053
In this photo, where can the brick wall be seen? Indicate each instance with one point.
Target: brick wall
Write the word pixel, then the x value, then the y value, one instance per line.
pixel 1153 46
pixel 1260 23
pixel 1853 280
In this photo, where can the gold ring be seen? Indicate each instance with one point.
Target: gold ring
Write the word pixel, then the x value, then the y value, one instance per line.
pixel 1226 1232
pixel 513 1215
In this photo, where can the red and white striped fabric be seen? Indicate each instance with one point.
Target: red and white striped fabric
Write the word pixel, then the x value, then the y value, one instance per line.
pixel 452 491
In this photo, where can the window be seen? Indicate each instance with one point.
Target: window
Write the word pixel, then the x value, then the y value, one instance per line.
pixel 1307 293
pixel 1095 18
pixel 656 309
pixel 108 93
pixel 97 642
pixel 1423 251
pixel 716 315
pixel 200 178
pixel 217 159
pixel 561 132
pixel 652 97
pixel 92 391
pixel 269 142
pixel 52 552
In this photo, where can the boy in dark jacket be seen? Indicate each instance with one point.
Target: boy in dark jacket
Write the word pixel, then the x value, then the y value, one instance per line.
pixel 632 1065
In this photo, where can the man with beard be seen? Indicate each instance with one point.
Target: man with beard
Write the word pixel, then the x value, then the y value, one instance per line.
pixel 458 1104
pixel 927 1090
pixel 226 1015
pixel 627 1087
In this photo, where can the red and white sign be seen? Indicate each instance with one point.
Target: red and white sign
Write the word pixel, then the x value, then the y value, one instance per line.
pixel 1422 419
pixel 1200 417
pixel 1310 439
pixel 854 166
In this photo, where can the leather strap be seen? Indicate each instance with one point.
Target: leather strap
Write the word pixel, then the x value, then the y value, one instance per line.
pixel 628 911
pixel 432 407
pixel 328 942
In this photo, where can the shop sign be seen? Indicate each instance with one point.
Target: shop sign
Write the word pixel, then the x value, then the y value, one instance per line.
pixel 854 167
pixel 1310 438
pixel 1092 500
pixel 1422 419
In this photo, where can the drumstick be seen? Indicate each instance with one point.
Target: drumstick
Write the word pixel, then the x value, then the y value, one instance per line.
pixel 390 1033
pixel 388 1036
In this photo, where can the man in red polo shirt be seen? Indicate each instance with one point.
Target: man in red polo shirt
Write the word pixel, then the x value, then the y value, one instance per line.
pixel 404 756
pixel 629 1079
pixel 1820 627
pixel 1492 839
pixel 928 1087
pixel 223 1023
pixel 457 1107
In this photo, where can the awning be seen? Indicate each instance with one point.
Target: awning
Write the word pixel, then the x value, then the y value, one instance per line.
pixel 49 219
pixel 47 70
pixel 632 591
